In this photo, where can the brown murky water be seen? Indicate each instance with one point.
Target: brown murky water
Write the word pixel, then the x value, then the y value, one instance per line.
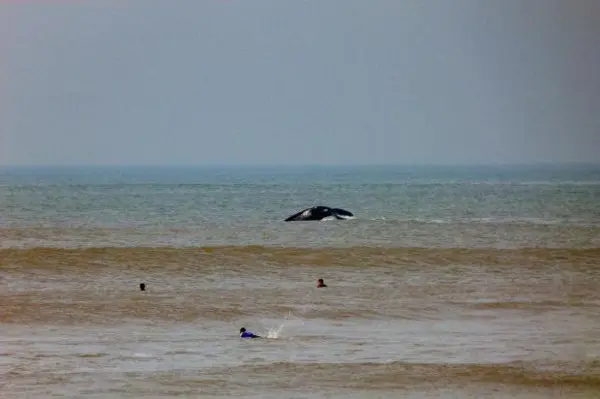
pixel 393 322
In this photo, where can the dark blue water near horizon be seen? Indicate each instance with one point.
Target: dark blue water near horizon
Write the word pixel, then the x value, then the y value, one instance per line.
pixel 298 174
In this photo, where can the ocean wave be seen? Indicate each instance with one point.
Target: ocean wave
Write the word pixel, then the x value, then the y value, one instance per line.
pixel 164 303
pixel 517 221
pixel 213 305
pixel 19 227
pixel 397 374
pixel 143 258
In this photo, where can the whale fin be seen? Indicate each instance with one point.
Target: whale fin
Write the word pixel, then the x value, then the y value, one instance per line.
pixel 342 212
pixel 296 215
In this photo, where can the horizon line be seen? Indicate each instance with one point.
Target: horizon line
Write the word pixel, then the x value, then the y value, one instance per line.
pixel 276 165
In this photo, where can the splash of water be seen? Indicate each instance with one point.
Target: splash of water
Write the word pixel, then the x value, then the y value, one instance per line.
pixel 275 332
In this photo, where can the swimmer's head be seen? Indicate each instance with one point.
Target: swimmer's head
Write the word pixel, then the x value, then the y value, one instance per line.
pixel 242 330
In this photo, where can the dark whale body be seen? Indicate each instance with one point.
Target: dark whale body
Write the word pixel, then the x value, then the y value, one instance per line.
pixel 319 213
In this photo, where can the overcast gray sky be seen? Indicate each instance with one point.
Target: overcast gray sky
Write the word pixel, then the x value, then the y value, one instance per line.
pixel 299 82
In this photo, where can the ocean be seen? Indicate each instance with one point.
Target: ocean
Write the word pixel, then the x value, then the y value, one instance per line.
pixel 449 282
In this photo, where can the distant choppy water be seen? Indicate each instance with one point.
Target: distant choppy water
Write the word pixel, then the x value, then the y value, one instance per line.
pixel 394 206
pixel 450 282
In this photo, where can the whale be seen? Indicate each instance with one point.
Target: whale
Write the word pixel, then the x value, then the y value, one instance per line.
pixel 319 213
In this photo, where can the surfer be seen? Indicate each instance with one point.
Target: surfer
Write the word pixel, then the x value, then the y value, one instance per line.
pixel 247 334
pixel 321 283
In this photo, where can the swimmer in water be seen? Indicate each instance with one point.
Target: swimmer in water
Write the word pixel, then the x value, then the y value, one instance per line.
pixel 321 283
pixel 247 334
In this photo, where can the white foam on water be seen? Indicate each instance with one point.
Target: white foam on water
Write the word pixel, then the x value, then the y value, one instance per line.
pixel 344 217
pixel 141 355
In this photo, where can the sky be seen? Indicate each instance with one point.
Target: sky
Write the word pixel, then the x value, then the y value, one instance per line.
pixel 148 82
